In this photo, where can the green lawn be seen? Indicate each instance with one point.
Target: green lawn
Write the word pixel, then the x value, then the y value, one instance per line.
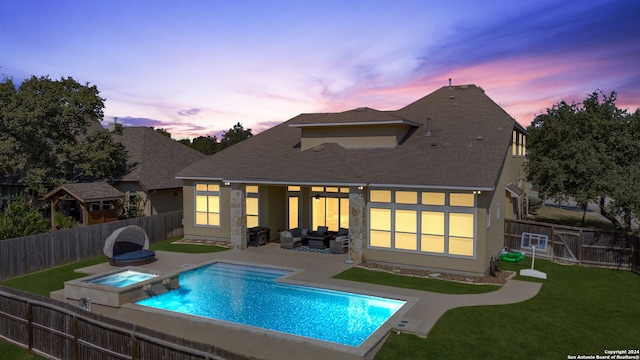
pixel 416 283
pixel 578 311
pixel 12 352
pixel 557 215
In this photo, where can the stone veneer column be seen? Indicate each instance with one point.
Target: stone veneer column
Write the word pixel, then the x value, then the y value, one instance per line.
pixel 357 223
pixel 238 218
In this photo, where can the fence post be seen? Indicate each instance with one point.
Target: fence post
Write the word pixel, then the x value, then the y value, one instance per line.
pixel 76 337
pixel 30 327
pixel 134 347
pixel 580 241
pixel 553 238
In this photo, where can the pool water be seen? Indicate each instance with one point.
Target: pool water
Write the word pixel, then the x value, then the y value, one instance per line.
pixel 123 278
pixel 250 295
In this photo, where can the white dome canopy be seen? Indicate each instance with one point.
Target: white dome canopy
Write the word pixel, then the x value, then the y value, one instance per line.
pixel 133 236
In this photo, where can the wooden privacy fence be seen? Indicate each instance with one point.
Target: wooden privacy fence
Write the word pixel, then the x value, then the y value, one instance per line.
pixel 583 246
pixel 24 255
pixel 57 330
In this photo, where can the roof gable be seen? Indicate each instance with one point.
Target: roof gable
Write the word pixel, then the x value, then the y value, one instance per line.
pixel 87 192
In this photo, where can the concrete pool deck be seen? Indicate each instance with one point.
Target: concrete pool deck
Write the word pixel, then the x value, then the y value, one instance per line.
pixel 424 310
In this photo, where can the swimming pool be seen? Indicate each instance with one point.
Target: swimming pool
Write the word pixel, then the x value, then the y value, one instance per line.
pixel 250 295
pixel 123 278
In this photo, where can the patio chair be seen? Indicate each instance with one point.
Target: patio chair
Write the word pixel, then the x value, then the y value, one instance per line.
pixel 322 230
pixel 288 241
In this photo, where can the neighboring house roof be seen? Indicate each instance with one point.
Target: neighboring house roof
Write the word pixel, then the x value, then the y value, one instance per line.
pixel 470 135
pixel 88 192
pixel 154 159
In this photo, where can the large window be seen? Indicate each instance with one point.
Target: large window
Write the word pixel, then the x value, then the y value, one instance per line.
pixel 330 207
pixel 253 206
pixel 425 222
pixel 207 204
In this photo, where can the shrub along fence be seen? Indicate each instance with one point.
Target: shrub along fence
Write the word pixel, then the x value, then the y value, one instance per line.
pixel 582 246
pixel 24 255
pixel 57 330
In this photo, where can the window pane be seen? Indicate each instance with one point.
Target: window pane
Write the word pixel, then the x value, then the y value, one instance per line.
pixel 461 225
pixel 406 241
pixel 293 188
pixel 252 206
pixel 380 196
pixel 406 221
pixel 344 190
pixel 432 243
pixel 344 213
pixel 380 219
pixel 317 189
pixel 252 189
pixel 380 238
pixel 332 189
pixel 462 200
pixel 214 219
pixel 211 187
pixel 317 211
pixel 214 204
pixel 293 212
pixel 431 198
pixel 252 221
pixel 201 203
pixel 332 212
pixel 432 223
pixel 460 246
pixel 201 187
pixel 406 197
pixel 201 218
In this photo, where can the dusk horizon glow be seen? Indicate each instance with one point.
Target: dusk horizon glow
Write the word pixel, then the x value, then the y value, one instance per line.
pixel 197 68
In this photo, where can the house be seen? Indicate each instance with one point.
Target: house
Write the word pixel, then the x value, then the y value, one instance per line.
pixel 427 185
pixel 153 161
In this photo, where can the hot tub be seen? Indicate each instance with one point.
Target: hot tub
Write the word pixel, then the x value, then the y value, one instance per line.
pixel 120 287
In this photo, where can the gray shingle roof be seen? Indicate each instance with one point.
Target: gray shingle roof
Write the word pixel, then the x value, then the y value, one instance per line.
pixel 469 140
pixel 155 159
pixel 86 192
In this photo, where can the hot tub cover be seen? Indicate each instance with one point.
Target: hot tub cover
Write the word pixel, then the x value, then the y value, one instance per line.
pixel 132 236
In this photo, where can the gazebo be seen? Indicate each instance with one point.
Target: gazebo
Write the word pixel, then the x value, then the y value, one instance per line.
pixel 97 201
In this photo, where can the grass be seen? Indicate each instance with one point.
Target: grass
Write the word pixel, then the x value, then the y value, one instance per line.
pixel 10 351
pixel 168 245
pixel 579 310
pixel 415 283
pixel 560 216
pixel 44 282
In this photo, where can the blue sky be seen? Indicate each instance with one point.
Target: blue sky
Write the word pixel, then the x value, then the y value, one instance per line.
pixel 197 67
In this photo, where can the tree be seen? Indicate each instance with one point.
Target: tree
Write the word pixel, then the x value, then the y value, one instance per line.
pixel 163 132
pixel 209 145
pixel 18 220
pixel 234 136
pixel 584 152
pixel 623 178
pixel 43 133
pixel 206 144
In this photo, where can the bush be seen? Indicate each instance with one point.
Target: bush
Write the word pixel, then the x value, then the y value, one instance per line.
pixel 18 220
pixel 534 203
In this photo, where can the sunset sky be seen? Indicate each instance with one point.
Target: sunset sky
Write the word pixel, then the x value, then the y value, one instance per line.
pixel 197 67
